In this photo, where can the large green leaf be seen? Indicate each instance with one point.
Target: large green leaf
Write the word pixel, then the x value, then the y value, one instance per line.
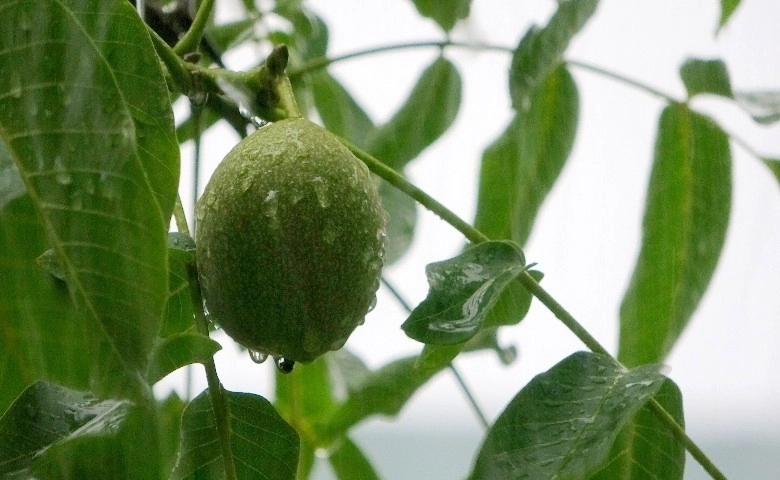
pixel 684 227
pixel 541 49
pixel 463 290
pixel 85 116
pixel 45 414
pixel 706 76
pixel 444 13
pixel 42 335
pixel 562 424
pixel 424 117
pixel 263 444
pixel 520 168
pixel 645 449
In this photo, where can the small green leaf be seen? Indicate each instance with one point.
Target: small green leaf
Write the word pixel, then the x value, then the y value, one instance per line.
pixel 512 305
pixel 684 227
pixel 444 13
pixel 85 115
pixel 541 49
pixel 774 166
pixel 645 449
pixel 764 107
pixel 706 76
pixel 424 117
pixel 339 111
pixel 45 414
pixel 462 292
pixel 179 313
pixel 179 350
pixel 384 391
pixel 261 440
pixel 727 8
pixel 349 463
pixel 401 221
pixel 562 424
pixel 520 168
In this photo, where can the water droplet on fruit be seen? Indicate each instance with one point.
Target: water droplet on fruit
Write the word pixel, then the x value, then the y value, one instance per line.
pixel 271 204
pixel 321 190
pixel 284 365
pixel 257 357
pixel 372 305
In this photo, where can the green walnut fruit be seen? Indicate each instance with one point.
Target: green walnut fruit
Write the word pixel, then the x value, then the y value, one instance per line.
pixel 290 241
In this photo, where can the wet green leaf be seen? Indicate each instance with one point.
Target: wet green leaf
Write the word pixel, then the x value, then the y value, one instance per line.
pixel 706 76
pixel 541 49
pixel 684 227
pixel 51 264
pixel 462 292
pixel 261 440
pixel 46 413
pixel 444 13
pixel 645 448
pixel 178 350
pixel 512 305
pixel 85 116
pixel 422 119
pixel 349 463
pixel 42 336
pixel 520 168
pixel 11 183
pixel 562 424
pixel 764 107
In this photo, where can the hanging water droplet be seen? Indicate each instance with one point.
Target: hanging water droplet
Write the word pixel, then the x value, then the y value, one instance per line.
pixel 284 365
pixel 321 191
pixel 372 305
pixel 257 357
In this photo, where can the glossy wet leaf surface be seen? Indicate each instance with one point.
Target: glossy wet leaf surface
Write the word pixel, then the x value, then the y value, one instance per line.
pixel 462 292
pixel 46 413
pixel 563 422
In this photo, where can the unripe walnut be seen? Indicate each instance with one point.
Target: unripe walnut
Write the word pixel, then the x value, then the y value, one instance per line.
pixel 290 241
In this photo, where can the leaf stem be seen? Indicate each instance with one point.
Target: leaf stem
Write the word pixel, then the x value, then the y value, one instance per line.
pixel 182 77
pixel 323 62
pixel 623 79
pixel 180 217
pixel 690 445
pixel 189 42
pixel 530 283
pixel 219 403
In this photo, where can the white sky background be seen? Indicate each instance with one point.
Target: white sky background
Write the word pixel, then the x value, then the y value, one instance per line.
pixel 587 235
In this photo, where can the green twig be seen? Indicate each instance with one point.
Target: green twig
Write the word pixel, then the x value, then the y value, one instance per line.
pixel 190 41
pixel 219 403
pixel 182 77
pixel 623 79
pixel 530 283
